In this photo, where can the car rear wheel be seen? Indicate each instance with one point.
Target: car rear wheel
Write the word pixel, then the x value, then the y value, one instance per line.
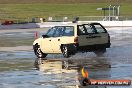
pixel 38 52
pixel 65 51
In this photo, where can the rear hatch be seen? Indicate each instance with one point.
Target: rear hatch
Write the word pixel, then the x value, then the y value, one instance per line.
pixel 92 34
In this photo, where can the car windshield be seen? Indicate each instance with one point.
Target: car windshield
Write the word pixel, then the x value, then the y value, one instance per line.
pixel 51 32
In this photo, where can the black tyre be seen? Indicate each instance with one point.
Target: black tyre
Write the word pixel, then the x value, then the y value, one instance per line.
pixel 38 52
pixel 100 52
pixel 65 65
pixel 65 51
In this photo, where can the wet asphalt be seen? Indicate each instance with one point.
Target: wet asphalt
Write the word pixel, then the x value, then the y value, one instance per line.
pixel 19 67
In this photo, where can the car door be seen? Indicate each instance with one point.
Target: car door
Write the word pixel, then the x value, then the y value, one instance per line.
pixel 87 35
pixel 47 41
pixel 92 36
pixel 63 35
pixel 57 39
pixel 103 36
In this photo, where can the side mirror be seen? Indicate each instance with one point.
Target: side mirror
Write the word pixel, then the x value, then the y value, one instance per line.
pixel 45 36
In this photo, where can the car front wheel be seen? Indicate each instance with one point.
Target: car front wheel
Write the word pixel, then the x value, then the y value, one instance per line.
pixel 38 52
pixel 65 51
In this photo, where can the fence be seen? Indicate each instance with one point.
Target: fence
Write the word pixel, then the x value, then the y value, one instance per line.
pixel 60 18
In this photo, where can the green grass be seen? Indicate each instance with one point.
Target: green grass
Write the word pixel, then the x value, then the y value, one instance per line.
pixel 25 11
pixel 63 1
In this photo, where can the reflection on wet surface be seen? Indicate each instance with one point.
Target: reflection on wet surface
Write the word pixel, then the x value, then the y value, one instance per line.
pixel 71 69
pixel 17 63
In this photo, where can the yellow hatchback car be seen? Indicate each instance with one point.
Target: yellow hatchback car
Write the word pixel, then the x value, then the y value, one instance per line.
pixel 71 38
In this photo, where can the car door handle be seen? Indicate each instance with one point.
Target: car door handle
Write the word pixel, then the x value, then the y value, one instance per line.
pixel 49 40
pixel 98 36
pixel 93 36
pixel 58 39
pixel 90 37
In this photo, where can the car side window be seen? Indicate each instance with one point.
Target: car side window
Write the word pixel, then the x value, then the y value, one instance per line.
pixel 81 30
pixel 51 32
pixel 69 31
pixel 99 28
pixel 59 31
pixel 90 29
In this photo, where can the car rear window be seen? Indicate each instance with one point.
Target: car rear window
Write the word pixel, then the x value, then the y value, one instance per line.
pixel 99 28
pixel 81 30
pixel 85 29
pixel 89 29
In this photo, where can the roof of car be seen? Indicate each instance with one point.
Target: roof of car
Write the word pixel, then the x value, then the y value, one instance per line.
pixel 72 24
